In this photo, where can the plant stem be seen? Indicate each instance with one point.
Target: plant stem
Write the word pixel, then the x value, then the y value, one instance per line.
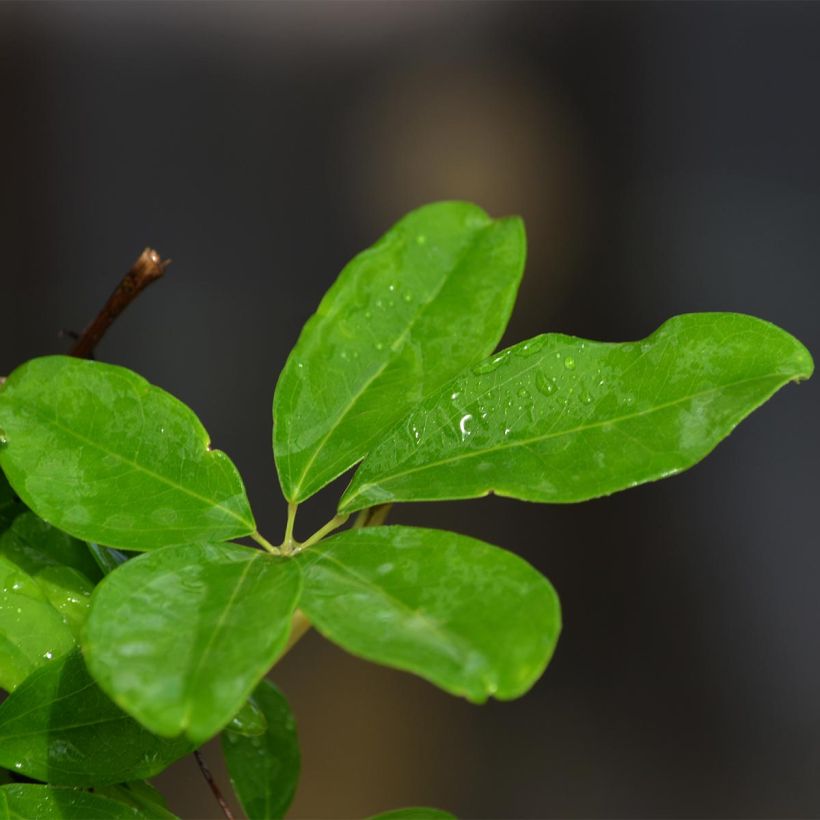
pixel 331 525
pixel 264 543
pixel 379 515
pixel 289 541
pixel 300 624
pixel 206 773
pixel 147 269
pixel 361 518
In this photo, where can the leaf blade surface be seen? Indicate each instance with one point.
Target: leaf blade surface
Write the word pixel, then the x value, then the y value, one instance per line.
pixel 471 618
pixel 46 578
pixel 264 769
pixel 97 451
pixel 25 801
pixel 58 726
pixel 432 296
pixel 179 637
pixel 559 419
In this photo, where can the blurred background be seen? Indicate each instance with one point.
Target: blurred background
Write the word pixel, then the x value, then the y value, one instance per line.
pixel 665 159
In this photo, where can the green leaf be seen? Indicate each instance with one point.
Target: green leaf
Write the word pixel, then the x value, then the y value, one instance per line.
pixel 100 453
pixel 24 801
pixel 59 727
pixel 180 637
pixel 264 770
pixel 37 547
pixel 560 419
pixel 415 813
pixel 473 619
pixel 142 796
pixel 431 297
pixel 46 577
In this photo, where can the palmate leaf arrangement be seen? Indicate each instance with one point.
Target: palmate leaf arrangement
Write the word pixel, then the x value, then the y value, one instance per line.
pixel 119 664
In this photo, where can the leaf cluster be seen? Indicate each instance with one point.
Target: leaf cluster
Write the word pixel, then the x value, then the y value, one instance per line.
pixel 134 627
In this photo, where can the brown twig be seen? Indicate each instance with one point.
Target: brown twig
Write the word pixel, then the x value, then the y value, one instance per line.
pixel 147 269
pixel 206 773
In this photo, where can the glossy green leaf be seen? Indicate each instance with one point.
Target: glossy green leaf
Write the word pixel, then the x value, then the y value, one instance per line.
pixel 560 419
pixel 414 813
pixel 59 727
pixel 431 297
pixel 46 579
pixel 264 770
pixel 473 619
pixel 180 637
pixel 141 796
pixel 26 801
pixel 100 453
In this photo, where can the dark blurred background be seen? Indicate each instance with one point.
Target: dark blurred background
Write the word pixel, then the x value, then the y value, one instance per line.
pixel 665 158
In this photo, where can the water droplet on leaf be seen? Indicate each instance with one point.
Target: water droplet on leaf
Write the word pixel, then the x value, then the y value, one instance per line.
pixel 464 425
pixel 569 363
pixel 544 384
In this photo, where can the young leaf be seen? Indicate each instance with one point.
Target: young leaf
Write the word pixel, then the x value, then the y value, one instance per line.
pixel 559 419
pixel 180 637
pixel 100 453
pixel 59 727
pixel 46 579
pixel 25 801
pixel 473 619
pixel 415 813
pixel 431 297
pixel 264 770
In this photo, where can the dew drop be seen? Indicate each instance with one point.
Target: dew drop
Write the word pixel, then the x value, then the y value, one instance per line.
pixel 489 365
pixel 368 314
pixel 3 440
pixel 408 297
pixel 523 393
pixel 569 363
pixel 544 384
pixel 507 431
pixel 531 347
pixel 586 398
pixel 48 655
pixel 464 425
pixel 379 346
pixel 455 395
pixel 421 239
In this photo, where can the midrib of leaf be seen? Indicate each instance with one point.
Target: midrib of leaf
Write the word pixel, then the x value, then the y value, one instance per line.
pixel 369 586
pixel 51 420
pixel 569 432
pixel 186 719
pixel 423 307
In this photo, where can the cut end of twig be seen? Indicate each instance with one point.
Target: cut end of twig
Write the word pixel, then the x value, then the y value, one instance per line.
pixel 150 264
